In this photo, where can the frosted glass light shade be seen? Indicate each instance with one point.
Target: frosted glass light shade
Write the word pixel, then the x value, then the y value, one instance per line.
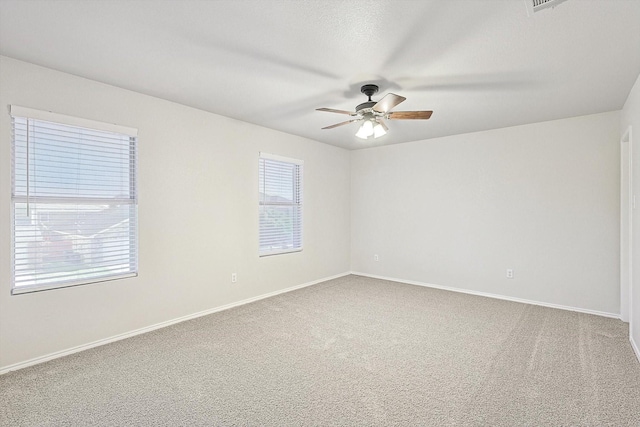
pixel 378 131
pixel 366 130
pixel 361 133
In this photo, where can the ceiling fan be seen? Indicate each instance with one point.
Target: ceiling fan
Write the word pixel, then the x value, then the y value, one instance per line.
pixel 372 113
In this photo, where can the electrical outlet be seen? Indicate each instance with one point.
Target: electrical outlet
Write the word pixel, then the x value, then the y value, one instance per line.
pixel 376 257
pixel 509 273
pixel 234 277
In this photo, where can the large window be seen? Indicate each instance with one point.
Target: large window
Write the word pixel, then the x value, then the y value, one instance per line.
pixel 280 186
pixel 74 201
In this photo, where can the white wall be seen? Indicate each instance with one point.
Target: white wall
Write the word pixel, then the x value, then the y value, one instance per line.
pixel 198 218
pixel 541 199
pixel 458 211
pixel 631 117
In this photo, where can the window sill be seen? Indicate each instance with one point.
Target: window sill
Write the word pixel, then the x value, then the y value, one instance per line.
pixel 35 288
pixel 279 252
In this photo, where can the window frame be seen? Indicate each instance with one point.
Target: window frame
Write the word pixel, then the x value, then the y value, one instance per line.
pixel 18 112
pixel 296 203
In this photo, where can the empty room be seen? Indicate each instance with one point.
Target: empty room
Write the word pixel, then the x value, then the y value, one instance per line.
pixel 319 212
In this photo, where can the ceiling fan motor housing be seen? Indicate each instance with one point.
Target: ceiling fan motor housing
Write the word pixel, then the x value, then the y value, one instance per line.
pixel 368 104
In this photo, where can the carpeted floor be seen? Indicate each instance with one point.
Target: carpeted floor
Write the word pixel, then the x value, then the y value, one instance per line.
pixel 347 352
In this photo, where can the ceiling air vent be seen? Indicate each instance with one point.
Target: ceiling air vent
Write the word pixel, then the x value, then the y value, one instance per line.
pixel 538 5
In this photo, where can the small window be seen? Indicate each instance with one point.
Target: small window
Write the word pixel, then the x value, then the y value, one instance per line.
pixel 280 205
pixel 74 201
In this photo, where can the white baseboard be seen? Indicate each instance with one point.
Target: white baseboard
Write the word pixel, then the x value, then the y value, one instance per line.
pixel 62 353
pixel 496 296
pixel 635 347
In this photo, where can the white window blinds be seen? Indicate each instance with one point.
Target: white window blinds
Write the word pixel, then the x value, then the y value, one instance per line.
pixel 74 201
pixel 280 206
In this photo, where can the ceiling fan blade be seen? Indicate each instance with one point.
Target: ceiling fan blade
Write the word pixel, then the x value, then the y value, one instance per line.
pixel 341 124
pixel 331 110
pixel 383 124
pixel 389 101
pixel 409 115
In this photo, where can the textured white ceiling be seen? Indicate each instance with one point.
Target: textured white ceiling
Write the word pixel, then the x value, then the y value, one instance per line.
pixel 479 64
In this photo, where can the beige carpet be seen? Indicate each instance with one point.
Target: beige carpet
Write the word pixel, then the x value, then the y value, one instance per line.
pixel 347 352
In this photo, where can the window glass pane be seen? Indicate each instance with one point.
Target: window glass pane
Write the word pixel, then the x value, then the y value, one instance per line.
pixel 64 161
pixel 67 243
